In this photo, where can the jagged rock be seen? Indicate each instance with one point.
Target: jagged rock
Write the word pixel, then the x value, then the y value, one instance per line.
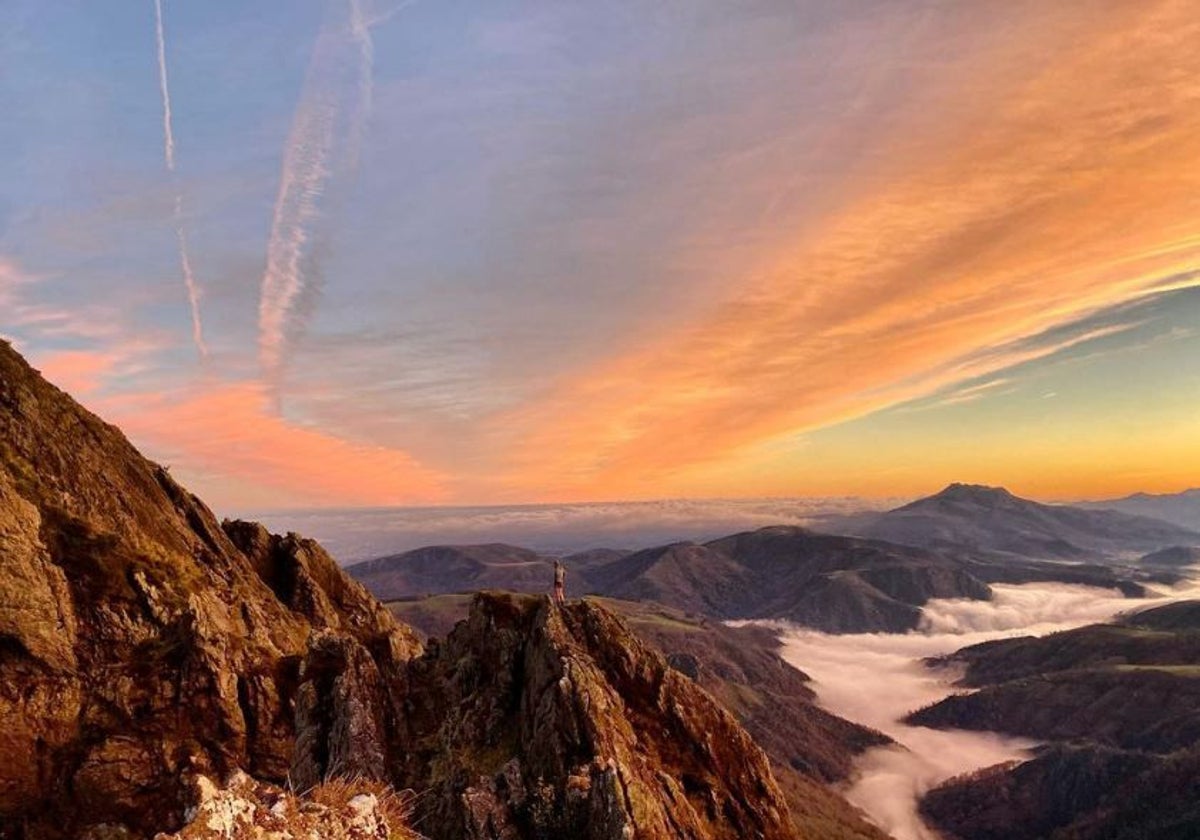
pixel 306 579
pixel 340 713
pixel 535 721
pixel 138 642
pixel 809 748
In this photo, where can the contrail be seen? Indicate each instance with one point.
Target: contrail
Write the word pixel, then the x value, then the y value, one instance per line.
pixel 185 260
pixel 324 141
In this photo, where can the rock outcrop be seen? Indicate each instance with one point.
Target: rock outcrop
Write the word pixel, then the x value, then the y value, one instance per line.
pixel 536 721
pixel 140 640
pixel 809 748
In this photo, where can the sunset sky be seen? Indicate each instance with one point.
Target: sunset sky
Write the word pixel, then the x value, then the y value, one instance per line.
pixel 357 252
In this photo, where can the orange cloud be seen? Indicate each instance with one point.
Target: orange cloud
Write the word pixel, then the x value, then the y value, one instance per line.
pixel 227 442
pixel 1058 181
pixel 80 372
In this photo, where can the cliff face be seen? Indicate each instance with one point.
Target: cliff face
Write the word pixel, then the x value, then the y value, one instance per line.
pixel 808 747
pixel 523 693
pixel 139 639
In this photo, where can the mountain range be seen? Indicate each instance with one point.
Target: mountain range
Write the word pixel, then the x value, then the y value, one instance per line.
pixel 839 584
pixel 991 519
pixel 949 545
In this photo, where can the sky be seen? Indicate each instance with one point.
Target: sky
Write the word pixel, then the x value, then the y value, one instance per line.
pixel 342 253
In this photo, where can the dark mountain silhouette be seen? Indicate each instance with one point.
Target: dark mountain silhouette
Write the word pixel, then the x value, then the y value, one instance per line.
pixel 1176 556
pixel 990 519
pixel 1180 617
pixel 1119 705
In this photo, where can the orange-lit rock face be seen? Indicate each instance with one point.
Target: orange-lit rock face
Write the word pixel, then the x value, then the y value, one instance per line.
pixel 140 641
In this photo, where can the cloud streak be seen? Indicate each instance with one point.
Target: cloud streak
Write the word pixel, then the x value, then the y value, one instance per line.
pixel 181 238
pixel 322 147
pixel 983 228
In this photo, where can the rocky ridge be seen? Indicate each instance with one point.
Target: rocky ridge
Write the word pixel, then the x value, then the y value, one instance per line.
pixel 809 748
pixel 522 693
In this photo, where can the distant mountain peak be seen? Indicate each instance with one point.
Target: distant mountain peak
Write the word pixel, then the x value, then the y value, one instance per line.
pixel 974 493
pixel 963 489
pixel 1190 493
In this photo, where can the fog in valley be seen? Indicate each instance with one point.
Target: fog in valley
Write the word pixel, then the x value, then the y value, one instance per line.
pixel 878 678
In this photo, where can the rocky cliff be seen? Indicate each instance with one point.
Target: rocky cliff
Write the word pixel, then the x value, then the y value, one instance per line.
pixel 144 645
pixel 548 722
pixel 808 747
pixel 141 641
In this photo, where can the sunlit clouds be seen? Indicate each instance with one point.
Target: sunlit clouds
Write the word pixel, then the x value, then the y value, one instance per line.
pixel 587 252
pixel 268 458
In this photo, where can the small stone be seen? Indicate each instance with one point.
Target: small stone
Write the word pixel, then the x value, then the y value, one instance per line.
pixel 206 790
pixel 363 804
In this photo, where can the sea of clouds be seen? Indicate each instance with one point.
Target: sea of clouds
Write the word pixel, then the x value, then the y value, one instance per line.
pixel 878 678
pixel 364 533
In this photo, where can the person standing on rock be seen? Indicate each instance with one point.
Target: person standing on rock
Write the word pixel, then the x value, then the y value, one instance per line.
pixel 560 583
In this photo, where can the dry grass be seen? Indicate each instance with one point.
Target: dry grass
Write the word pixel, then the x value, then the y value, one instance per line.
pixel 244 809
pixel 395 806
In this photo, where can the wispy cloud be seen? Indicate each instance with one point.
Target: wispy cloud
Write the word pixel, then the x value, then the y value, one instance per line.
pixel 185 259
pixel 990 227
pixel 323 146
pixel 965 393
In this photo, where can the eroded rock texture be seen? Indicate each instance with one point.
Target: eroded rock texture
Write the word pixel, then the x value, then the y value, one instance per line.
pixel 139 639
pixel 534 721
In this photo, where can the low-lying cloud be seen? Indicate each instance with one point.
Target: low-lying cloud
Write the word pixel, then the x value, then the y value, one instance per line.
pixel 559 529
pixel 877 679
